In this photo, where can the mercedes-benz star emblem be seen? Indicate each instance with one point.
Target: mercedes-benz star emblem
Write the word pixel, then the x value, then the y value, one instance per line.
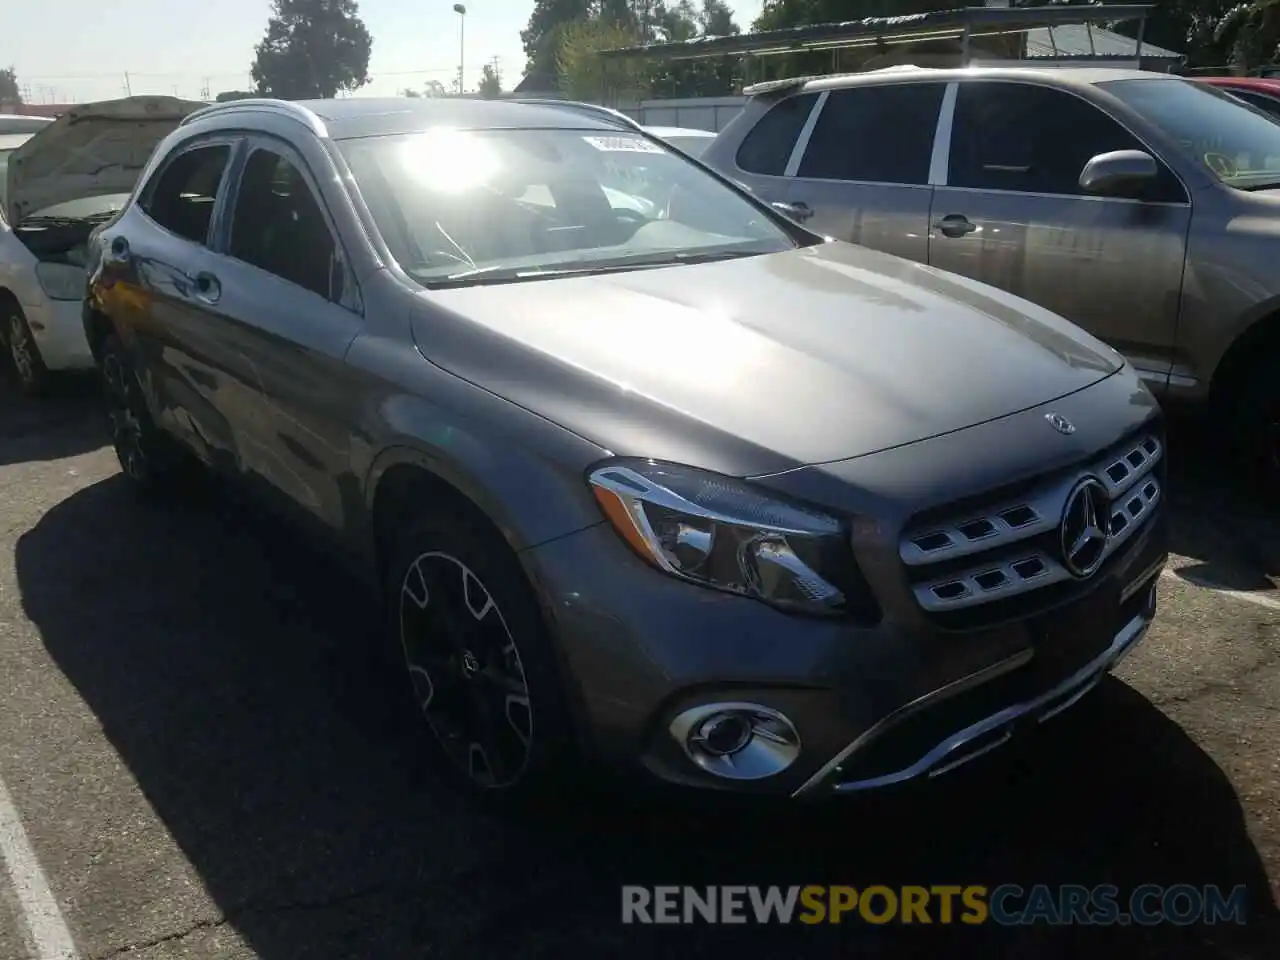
pixel 1086 521
pixel 1061 424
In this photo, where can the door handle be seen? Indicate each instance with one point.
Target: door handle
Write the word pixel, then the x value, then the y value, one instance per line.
pixel 207 287
pixel 955 225
pixel 796 211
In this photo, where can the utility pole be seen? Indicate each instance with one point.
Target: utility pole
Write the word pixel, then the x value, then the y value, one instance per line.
pixel 128 87
pixel 204 89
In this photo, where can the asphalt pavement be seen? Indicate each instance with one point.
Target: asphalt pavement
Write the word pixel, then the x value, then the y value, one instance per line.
pixel 199 757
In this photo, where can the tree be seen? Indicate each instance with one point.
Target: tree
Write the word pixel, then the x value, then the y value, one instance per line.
pixel 9 89
pixel 228 95
pixel 490 82
pixel 694 78
pixel 541 38
pixel 312 48
pixel 409 92
pixel 584 75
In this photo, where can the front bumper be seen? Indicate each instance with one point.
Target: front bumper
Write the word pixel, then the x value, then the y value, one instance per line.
pixel 870 706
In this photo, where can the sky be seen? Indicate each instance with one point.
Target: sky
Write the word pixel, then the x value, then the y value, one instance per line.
pixel 67 51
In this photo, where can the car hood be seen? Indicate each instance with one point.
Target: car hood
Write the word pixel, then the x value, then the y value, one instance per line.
pixel 763 363
pixel 91 150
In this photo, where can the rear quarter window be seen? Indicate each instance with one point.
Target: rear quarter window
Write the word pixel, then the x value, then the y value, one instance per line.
pixel 767 148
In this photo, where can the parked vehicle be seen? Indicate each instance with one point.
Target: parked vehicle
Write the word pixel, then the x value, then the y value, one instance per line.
pixel 688 140
pixel 1144 207
pixel 685 139
pixel 59 184
pixel 1260 92
pixel 700 495
pixel 16 123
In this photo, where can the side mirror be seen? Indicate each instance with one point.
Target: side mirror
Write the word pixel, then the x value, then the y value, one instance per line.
pixel 1120 173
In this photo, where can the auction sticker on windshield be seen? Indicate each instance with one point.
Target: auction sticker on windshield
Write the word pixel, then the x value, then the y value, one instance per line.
pixel 623 145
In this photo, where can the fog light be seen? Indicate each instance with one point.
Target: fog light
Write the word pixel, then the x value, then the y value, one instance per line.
pixel 737 741
pixel 723 733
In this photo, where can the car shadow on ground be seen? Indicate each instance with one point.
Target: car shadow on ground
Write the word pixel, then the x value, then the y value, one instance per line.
pixel 65 422
pixel 232 671
pixel 1226 525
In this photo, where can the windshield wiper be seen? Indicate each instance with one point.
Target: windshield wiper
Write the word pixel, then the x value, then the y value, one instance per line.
pixel 1271 184
pixel 501 274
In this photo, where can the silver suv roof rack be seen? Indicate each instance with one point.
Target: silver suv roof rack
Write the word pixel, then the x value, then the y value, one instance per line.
pixel 792 83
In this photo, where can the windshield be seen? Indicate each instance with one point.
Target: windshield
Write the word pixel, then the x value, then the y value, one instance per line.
pixel 1237 143
pixel 461 206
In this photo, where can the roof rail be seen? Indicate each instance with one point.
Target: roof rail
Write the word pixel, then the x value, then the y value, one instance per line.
pixel 604 113
pixel 792 83
pixel 286 108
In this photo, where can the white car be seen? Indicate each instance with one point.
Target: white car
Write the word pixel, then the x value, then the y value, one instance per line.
pixel 687 140
pixel 21 123
pixel 56 186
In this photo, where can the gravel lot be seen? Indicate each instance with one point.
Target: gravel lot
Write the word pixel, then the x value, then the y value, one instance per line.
pixel 206 762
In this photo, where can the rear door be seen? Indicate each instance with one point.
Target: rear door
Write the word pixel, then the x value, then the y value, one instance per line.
pixel 159 264
pixel 862 173
pixel 1011 213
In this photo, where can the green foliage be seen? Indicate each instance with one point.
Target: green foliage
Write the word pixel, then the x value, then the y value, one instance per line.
pixel 585 76
pixel 312 48
pixel 10 92
pixel 228 95
pixel 490 82
pixel 564 35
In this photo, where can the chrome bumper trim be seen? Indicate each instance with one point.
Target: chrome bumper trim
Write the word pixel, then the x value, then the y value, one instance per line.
pixel 996 729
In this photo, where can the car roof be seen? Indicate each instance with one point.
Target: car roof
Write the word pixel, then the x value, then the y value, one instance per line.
pixel 1065 76
pixel 351 117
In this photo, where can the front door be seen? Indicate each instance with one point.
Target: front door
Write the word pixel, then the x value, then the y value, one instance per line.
pixel 287 315
pixel 1012 214
pixel 864 172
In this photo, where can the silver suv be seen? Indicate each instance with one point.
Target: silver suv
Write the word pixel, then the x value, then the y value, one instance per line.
pixel 1143 207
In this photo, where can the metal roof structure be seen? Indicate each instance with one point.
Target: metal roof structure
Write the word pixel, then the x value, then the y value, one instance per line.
pixel 1083 40
pixel 961 24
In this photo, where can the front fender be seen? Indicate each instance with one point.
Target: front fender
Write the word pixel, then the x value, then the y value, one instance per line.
pixel 525 473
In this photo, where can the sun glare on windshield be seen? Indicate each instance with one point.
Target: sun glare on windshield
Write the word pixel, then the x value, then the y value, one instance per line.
pixel 449 161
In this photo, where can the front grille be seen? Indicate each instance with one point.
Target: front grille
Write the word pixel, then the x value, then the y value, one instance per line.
pixel 1008 546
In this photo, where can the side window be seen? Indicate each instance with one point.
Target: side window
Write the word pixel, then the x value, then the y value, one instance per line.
pixel 877 134
pixel 186 190
pixel 767 148
pixel 1033 139
pixel 277 226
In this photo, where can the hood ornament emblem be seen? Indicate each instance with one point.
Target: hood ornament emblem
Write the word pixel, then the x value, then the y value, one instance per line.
pixel 1061 424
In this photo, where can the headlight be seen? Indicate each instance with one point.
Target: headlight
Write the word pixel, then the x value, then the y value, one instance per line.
pixel 61 281
pixel 723 533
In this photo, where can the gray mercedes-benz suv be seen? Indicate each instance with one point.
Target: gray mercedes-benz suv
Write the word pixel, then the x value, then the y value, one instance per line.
pixel 647 474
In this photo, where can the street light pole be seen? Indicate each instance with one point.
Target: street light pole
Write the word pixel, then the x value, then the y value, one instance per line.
pixel 461 11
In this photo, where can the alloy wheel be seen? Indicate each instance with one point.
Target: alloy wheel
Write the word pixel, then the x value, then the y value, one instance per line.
pixel 466 671
pixel 123 406
pixel 21 350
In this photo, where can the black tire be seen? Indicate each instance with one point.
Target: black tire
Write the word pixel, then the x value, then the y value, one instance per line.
pixel 151 461
pixel 1254 424
pixel 457 598
pixel 22 354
